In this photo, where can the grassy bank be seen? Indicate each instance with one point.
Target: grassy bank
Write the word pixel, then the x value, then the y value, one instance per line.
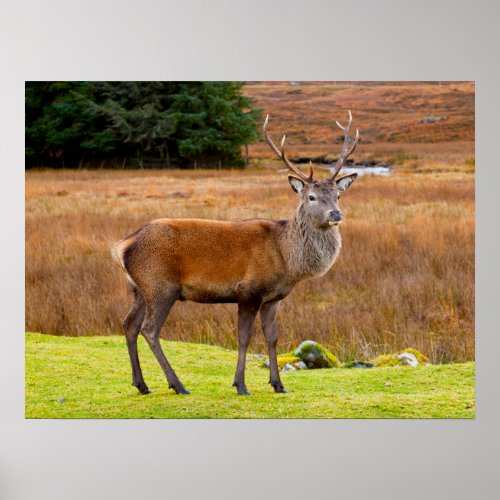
pixel 89 377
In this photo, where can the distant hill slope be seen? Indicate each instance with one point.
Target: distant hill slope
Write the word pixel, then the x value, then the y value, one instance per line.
pixel 408 115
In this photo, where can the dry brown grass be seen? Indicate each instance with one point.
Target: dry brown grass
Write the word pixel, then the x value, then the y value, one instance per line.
pixel 405 276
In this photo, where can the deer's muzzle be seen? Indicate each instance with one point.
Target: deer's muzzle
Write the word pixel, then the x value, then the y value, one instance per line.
pixel 335 217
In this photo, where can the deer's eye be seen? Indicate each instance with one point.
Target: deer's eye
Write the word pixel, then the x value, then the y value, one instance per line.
pixel 312 198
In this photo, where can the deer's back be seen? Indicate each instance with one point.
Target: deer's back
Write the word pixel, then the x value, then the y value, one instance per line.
pixel 211 261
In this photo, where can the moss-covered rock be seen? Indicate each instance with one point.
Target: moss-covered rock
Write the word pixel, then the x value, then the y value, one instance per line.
pixel 315 355
pixel 285 361
pixel 357 364
pixel 423 360
pixel 406 357
pixel 385 360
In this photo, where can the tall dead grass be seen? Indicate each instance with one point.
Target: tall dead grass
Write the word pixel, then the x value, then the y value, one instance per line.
pixel 405 276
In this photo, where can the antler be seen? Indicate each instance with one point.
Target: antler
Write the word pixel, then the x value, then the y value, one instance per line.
pixel 281 154
pixel 346 151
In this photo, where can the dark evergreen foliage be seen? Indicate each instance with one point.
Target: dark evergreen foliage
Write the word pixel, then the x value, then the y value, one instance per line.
pixel 137 124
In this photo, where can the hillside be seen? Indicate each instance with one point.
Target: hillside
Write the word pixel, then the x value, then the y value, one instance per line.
pixel 397 120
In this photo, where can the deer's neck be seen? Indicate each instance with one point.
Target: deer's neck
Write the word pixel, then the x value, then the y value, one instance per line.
pixel 310 251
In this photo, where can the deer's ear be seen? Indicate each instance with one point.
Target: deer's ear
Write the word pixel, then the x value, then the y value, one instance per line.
pixel 296 183
pixel 345 182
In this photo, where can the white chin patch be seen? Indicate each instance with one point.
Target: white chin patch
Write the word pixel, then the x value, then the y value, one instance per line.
pixel 333 222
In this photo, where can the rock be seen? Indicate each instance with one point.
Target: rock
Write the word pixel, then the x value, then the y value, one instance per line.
pixel 62 400
pixel 432 119
pixel 388 384
pixel 178 194
pixel 288 368
pixel 423 360
pixel 357 364
pixel 288 359
pixel 314 355
pixel 408 358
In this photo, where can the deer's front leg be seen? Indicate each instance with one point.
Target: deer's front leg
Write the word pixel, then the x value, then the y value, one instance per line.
pixel 269 322
pixel 246 318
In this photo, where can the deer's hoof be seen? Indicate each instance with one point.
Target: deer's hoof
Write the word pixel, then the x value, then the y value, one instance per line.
pixel 179 389
pixel 242 391
pixel 143 388
pixel 278 387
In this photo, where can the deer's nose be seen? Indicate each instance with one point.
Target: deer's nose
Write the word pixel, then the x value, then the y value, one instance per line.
pixel 336 215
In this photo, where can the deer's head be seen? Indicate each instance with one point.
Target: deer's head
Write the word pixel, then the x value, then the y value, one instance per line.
pixel 320 198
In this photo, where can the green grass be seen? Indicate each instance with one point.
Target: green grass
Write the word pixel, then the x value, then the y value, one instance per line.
pixel 89 377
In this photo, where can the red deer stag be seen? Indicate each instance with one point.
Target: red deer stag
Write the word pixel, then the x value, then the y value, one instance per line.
pixel 254 263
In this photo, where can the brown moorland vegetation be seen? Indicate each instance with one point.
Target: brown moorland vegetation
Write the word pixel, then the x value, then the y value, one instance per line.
pixel 414 125
pixel 405 276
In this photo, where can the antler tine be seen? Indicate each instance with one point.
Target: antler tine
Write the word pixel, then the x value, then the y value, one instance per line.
pixel 292 166
pixel 311 171
pixel 281 154
pixel 345 129
pixel 346 150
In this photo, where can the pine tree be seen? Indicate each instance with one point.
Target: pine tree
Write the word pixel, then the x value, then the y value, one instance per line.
pixel 214 121
pixel 136 113
pixel 191 123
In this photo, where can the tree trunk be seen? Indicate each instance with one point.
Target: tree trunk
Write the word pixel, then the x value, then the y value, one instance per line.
pixel 246 155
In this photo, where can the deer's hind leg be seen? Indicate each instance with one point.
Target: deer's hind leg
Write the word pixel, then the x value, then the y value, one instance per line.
pixel 131 327
pixel 157 309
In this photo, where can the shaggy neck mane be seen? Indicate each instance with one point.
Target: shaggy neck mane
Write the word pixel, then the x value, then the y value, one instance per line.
pixel 311 251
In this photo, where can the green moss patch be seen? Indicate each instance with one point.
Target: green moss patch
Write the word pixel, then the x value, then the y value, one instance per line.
pixel 386 360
